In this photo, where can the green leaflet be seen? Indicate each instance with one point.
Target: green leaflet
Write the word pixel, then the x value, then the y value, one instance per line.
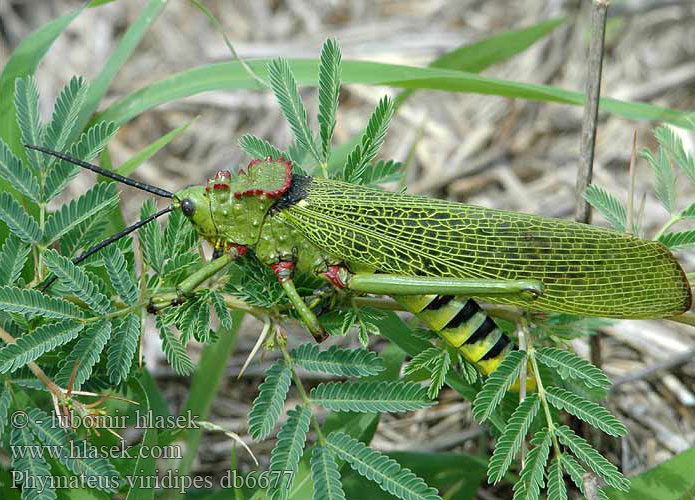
pixel 329 91
pixel 34 344
pixel 370 396
pixel 35 303
pixel 288 449
pixel 377 467
pixel 497 385
pixel 77 281
pixel 122 348
pixel 13 171
pixel 337 361
pixel 29 465
pixel 174 349
pixel 18 220
pixel 267 406
pixel 84 355
pixel 122 281
pixel 325 475
pixel 13 257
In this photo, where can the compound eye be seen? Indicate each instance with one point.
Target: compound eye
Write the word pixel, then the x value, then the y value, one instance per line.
pixel 187 207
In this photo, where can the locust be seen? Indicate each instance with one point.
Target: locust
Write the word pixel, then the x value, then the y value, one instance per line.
pixel 436 258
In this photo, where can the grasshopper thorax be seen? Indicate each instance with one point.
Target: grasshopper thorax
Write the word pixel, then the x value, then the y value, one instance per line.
pixel 230 210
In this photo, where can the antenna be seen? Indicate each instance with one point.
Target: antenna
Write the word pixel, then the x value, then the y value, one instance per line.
pixel 104 172
pixel 108 241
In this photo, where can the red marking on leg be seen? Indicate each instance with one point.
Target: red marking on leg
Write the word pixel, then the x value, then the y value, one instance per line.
pixel 240 249
pixel 219 186
pixel 283 270
pixel 333 275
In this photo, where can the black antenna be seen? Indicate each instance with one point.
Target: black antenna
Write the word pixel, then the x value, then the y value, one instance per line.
pixel 104 172
pixel 109 240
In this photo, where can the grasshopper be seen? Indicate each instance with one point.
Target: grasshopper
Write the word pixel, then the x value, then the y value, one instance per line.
pixel 435 257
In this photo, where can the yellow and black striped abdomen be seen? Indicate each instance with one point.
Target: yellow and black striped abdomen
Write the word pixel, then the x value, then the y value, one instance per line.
pixel 464 325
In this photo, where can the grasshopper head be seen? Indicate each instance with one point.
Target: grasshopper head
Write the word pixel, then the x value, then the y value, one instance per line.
pixel 231 209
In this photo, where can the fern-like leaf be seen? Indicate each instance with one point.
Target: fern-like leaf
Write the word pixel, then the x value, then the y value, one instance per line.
pixel 584 452
pixel 5 402
pixel 85 354
pixel 586 410
pixel 382 171
pixel 100 197
pixel 34 344
pixel 371 142
pixel 367 397
pixel 381 469
pixel 26 102
pixel 174 350
pixel 288 450
pixel 668 140
pixel 122 281
pixel 424 360
pixel 89 146
pixel 30 466
pixel 329 90
pixel 267 407
pixel 33 303
pixel 98 470
pixel 13 256
pixel 532 475
pixel 497 385
pixel 18 220
pixel 287 94
pixel 177 268
pixel 665 178
pixel 202 323
pixel 679 240
pixel 151 238
pixel 325 476
pixel 440 369
pixel 76 280
pixel 258 148
pixel 177 235
pixel 122 348
pixel 574 470
pixel 337 361
pixel 221 310
pixel 556 483
pixel 608 205
pixel 509 444
pixel 571 366
pixel 12 170
pixel 67 107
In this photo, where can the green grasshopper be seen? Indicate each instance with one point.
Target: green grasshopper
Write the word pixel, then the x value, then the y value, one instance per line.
pixel 434 257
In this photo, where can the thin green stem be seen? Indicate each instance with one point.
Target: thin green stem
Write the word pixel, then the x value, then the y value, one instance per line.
pixel 544 402
pixel 302 392
pixel 670 223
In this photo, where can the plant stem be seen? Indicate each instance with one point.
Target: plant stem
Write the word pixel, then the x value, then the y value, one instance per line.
pixel 670 223
pixel 544 402
pixel 302 392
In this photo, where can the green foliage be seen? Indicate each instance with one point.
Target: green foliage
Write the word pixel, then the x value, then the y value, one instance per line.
pixel 509 444
pixel 76 281
pixel 381 171
pixel 99 198
pixel 673 145
pixel 337 361
pixel 588 411
pixel 532 475
pixel 665 178
pixel 26 101
pixel 679 240
pixel 18 220
pixel 592 458
pixel 371 396
pixel 497 385
pixel 13 257
pixel 12 170
pixel 151 238
pixel 607 205
pixel 329 91
pixel 288 449
pixel 97 470
pixel 377 467
pixel 372 140
pixel 556 482
pixel 259 148
pixel 575 471
pixel 268 405
pixel 5 403
pixel 64 118
pixel 84 355
pixel 122 281
pixel 287 94
pixel 571 366
pixel 174 350
pixel 34 303
pixel 325 475
pixel 122 348
pixel 33 345
pixel 30 466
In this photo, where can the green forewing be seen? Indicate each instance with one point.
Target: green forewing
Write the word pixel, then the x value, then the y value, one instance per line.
pixel 586 269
